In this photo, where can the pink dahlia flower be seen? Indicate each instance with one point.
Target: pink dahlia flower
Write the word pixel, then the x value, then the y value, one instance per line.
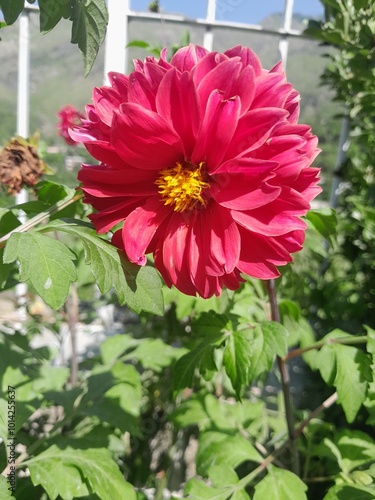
pixel 203 160
pixel 69 117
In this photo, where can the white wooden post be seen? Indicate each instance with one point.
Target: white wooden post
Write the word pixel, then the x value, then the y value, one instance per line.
pixel 23 120
pixel 208 37
pixel 115 55
pixel 287 24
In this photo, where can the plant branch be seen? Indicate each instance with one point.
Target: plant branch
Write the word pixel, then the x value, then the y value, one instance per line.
pixel 272 457
pixel 43 216
pixel 318 345
pixel 285 382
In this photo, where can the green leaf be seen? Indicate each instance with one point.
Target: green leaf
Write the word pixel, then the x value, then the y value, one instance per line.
pixel 224 447
pixel 198 490
pixel 90 19
pixel 8 221
pixel 280 484
pixel 114 396
pixel 237 359
pixel 154 354
pixel 209 323
pixel 51 378
pixel 5 269
pixel 114 347
pixel 72 473
pixel 50 13
pixel 45 263
pixel 324 221
pixel 356 449
pixel 51 192
pixel 11 9
pixel 139 44
pixel 199 359
pixel 350 492
pixel 5 493
pixel 222 475
pixel 139 287
pixel 352 377
pixel 348 369
pixel 270 339
pixel 206 411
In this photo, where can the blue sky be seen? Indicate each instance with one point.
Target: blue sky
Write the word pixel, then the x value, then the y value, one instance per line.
pixel 246 11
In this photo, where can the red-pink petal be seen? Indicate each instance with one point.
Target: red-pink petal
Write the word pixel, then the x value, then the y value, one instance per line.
pixel 187 57
pixel 175 93
pixel 218 126
pixel 140 227
pixel 267 221
pixel 140 91
pixel 254 129
pixel 100 180
pixel 144 139
pixel 240 192
pixel 220 240
pixel 247 57
pixel 222 78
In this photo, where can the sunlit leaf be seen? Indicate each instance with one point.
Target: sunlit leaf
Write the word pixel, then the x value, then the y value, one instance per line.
pixel 238 358
pixel 71 473
pixel 139 287
pixel 45 263
pixel 280 484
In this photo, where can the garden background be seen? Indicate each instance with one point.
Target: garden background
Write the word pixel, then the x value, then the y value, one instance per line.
pixel 125 389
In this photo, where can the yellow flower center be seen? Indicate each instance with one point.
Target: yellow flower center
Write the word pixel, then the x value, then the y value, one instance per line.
pixel 182 186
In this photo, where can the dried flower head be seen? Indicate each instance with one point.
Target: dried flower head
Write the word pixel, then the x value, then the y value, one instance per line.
pixel 20 165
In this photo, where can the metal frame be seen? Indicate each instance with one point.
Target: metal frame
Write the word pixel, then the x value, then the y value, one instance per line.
pixel 120 13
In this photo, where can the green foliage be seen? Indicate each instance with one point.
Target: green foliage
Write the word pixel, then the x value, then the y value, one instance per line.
pixel 11 9
pixel 280 484
pixel 5 493
pixel 348 369
pixel 71 473
pixel 45 264
pixel 138 287
pixel 345 293
pixel 89 22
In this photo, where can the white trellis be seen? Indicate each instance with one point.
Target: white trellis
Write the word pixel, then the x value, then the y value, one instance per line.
pixel 116 52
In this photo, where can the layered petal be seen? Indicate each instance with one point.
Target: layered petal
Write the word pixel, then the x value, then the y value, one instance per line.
pixel 140 227
pixel 144 139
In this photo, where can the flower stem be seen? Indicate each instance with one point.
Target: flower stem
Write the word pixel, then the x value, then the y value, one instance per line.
pixel 272 457
pixel 318 345
pixel 43 216
pixel 285 383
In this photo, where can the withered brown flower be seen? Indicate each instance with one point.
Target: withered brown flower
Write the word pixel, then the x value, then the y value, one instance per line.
pixel 20 165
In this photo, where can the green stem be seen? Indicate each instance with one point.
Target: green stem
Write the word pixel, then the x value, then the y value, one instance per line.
pixel 285 384
pixel 271 458
pixel 43 216
pixel 318 345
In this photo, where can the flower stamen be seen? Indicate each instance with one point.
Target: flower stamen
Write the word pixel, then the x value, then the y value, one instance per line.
pixel 182 186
